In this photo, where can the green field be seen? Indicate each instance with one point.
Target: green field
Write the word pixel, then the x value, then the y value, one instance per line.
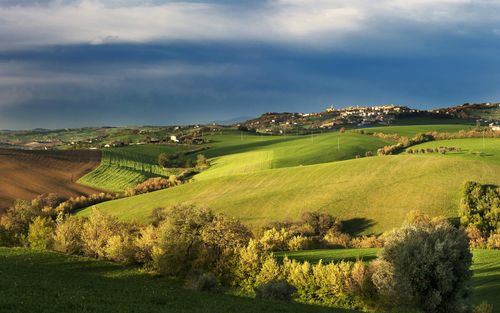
pixel 125 167
pixel 487 149
pixel 486 268
pixel 412 130
pixel 374 194
pixel 234 154
pixel 35 281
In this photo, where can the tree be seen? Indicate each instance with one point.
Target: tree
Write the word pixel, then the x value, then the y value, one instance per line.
pixel 164 160
pixel 201 161
pixel 40 233
pixel 97 231
pixel 425 265
pixel 68 235
pixel 179 239
pixel 480 206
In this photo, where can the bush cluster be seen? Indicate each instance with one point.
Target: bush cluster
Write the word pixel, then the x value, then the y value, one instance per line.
pixel 480 214
pixel 212 251
pixel 313 230
pixel 442 150
pixel 403 142
pixel 153 184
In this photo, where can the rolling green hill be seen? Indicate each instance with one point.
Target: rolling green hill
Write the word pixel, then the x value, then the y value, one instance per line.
pixel 125 167
pixel 487 149
pixel 254 153
pixel 373 193
pixel 37 281
pixel 412 130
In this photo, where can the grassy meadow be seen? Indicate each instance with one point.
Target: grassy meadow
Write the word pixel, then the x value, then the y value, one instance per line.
pixel 266 178
pixel 373 194
pixel 487 149
pixel 40 281
pixel 486 268
pixel 412 130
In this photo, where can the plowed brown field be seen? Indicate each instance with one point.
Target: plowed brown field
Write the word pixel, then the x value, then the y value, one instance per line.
pixel 25 174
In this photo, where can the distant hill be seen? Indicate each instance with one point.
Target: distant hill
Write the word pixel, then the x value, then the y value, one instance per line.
pixel 483 111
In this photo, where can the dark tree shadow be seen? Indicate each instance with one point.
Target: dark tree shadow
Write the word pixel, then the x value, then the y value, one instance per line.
pixel 356 226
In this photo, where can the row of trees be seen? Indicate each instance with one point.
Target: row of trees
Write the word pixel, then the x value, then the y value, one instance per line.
pixel 212 252
pixel 182 160
pixel 442 150
pixel 403 142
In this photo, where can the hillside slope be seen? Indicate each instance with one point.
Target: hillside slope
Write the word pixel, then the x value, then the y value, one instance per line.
pixel 25 174
pixel 373 193
pixel 38 281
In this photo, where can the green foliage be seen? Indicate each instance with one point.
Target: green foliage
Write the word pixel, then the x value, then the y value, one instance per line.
pixel 276 240
pixel 97 231
pixel 480 206
pixel 202 161
pixel 437 282
pixel 179 239
pixel 40 234
pixel 68 235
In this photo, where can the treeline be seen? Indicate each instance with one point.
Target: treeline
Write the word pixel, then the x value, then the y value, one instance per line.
pixel 441 149
pixel 183 160
pixel 213 252
pixel 403 142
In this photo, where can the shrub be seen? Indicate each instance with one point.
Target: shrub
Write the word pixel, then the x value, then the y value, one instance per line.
pixel 367 242
pixel 5 237
pixel 180 246
pixel 152 184
pixel 476 237
pixel 202 161
pixel 204 282
pixel 276 240
pixel 484 307
pixel 120 248
pixel 275 290
pixel 437 282
pixel 96 232
pixel 68 235
pixel 145 244
pixel 40 233
pixel 248 266
pixel 479 206
pixel 335 238
pixel 368 153
pixel 298 242
pixel 320 222
pixel 494 240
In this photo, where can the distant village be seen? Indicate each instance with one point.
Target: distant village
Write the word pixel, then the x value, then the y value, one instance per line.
pixel 270 123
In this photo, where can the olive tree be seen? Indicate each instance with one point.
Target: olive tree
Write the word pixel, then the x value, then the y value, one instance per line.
pixel 425 265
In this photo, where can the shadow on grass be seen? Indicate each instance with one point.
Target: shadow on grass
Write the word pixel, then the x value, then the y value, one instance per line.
pixel 356 226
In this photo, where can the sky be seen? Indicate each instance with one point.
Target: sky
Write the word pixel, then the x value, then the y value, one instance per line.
pixel 73 63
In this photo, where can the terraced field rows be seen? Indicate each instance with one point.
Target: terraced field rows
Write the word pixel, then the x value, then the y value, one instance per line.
pixel 125 167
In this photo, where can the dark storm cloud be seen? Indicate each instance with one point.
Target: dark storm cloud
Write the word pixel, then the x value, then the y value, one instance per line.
pixel 268 56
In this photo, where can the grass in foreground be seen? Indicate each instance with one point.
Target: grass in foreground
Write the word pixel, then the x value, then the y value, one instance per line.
pixel 35 281
pixel 486 268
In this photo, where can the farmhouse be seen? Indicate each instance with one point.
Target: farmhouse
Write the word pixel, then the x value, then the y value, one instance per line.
pixel 174 138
